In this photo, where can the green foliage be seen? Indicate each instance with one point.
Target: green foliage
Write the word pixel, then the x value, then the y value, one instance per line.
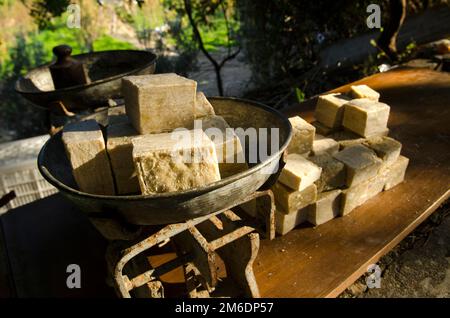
pixel 299 94
pixel 106 42
pixel 44 10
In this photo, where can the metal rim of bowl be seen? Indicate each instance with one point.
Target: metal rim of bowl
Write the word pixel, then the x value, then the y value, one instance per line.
pixel 100 81
pixel 210 187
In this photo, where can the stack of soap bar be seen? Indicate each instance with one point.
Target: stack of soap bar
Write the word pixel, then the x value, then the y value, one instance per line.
pixel 166 164
pixel 285 223
pixel 360 162
pixel 364 91
pixel 359 194
pixel 158 103
pixel 366 117
pixel 203 107
pixel 323 145
pixel 326 208
pixel 386 148
pixel 299 173
pixel 302 136
pixel 85 148
pixel 290 201
pixel 120 151
pixel 329 109
pixel 230 154
pixel 395 173
pixel 333 172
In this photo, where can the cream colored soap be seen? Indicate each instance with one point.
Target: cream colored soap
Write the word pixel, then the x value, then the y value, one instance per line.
pixel 323 145
pixel 388 149
pixel 359 194
pixel 330 109
pixel 299 173
pixel 360 162
pixel 366 117
pixel 230 154
pixel 171 162
pixel 159 102
pixel 285 223
pixel 333 172
pixel 85 148
pixel 120 151
pixel 290 201
pixel 302 136
pixel 395 174
pixel 326 208
pixel 203 107
pixel 364 91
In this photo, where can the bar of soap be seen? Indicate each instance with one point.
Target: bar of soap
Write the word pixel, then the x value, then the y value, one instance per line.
pixel 117 115
pixel 230 154
pixel 203 107
pixel 329 109
pixel 360 162
pixel 326 208
pixel 299 173
pixel 366 117
pixel 285 223
pixel 395 174
pixel 333 172
pixel 289 200
pixel 170 162
pixel 323 145
pixel 387 149
pixel 159 103
pixel 120 151
pixel 85 148
pixel 364 91
pixel 302 136
pixel 322 129
pixel 359 194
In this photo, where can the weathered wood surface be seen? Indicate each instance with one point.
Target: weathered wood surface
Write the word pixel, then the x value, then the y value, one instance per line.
pixel 323 261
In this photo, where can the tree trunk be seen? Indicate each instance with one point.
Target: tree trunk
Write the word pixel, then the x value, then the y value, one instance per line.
pixel 388 38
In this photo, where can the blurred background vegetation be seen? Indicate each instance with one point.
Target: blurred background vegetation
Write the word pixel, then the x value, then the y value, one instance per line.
pixel 280 40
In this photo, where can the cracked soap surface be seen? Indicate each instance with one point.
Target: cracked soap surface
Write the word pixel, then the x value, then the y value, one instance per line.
pixel 329 109
pixel 299 173
pixel 360 162
pixel 158 103
pixel 165 164
pixel 302 136
pixel 85 148
pixel 366 117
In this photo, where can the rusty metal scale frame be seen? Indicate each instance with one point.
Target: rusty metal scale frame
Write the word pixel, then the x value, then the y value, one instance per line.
pixel 199 241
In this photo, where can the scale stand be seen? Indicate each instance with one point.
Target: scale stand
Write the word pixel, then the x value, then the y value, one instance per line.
pixel 199 243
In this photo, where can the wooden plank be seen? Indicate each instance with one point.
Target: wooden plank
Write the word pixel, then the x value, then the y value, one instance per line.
pixel 324 261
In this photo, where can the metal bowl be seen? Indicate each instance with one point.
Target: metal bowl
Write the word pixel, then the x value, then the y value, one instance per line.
pixel 176 207
pixel 105 70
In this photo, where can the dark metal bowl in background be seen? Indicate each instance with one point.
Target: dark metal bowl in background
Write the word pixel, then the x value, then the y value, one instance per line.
pixel 105 70
pixel 180 206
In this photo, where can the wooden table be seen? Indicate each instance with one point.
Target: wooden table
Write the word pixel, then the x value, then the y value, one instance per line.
pixel 45 236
